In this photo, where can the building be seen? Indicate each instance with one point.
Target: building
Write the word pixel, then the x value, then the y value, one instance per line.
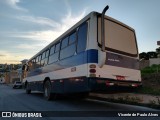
pixel 14 72
pixel 11 77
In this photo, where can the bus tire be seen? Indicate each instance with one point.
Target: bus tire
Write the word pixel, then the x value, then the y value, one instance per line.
pixel 28 91
pixel 47 90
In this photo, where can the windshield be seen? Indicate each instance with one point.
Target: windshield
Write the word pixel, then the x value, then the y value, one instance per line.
pixel 118 37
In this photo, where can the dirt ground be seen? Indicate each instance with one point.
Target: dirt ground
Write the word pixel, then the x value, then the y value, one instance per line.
pixel 151 80
pixel 143 98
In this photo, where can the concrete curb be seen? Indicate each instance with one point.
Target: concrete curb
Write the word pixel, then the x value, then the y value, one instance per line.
pixel 139 99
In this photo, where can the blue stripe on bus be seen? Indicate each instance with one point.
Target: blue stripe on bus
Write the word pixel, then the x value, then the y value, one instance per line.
pixel 92 56
pixel 88 56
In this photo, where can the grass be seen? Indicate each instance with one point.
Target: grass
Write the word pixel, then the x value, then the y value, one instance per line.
pixel 149 90
pixel 151 69
pixel 150 80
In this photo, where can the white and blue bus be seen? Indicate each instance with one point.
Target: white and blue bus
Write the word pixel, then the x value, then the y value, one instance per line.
pixel 96 53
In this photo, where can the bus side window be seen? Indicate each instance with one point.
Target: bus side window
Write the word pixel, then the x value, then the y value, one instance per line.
pixel 44 59
pixel 57 47
pixel 43 55
pixel 82 38
pixel 36 63
pixel 70 49
pixel 38 58
pixel 54 56
pixel 47 55
pixel 33 64
pixel 52 50
pixel 64 43
pixel 39 61
pixel 72 38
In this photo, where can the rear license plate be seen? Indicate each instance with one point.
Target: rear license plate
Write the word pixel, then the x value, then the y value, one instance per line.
pixel 120 77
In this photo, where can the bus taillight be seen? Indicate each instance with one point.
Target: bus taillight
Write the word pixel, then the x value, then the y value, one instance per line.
pixel 92 71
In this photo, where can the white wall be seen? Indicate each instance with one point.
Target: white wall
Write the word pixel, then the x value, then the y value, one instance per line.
pixel 154 61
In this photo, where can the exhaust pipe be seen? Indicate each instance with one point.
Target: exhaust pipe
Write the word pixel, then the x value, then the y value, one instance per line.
pixel 103 28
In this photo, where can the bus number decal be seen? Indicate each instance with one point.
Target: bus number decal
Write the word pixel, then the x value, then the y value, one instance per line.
pixel 73 69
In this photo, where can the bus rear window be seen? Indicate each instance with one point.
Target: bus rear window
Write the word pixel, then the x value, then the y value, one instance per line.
pixel 118 37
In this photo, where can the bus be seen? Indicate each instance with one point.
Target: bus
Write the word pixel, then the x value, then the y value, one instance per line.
pixel 96 53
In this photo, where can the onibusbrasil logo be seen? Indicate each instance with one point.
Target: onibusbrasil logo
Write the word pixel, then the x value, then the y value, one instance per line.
pixel 21 114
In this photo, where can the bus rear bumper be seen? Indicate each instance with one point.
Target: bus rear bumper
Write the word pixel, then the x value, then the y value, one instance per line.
pixel 89 84
pixel 111 84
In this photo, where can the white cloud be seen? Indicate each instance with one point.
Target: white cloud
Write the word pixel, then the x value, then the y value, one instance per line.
pixel 43 38
pixel 69 20
pixel 34 47
pixel 47 35
pixel 13 4
pixel 39 20
pixel 10 58
pixel 25 46
pixel 57 28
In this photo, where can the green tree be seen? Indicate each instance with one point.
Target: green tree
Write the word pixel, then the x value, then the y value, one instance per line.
pixel 144 56
pixel 152 54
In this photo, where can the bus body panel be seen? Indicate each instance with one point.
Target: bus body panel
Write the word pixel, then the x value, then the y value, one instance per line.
pixel 72 74
pixel 112 72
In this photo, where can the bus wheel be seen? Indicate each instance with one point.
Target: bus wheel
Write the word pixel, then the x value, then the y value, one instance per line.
pixel 47 90
pixel 28 91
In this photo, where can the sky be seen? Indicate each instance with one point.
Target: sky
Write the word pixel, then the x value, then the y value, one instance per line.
pixel 27 26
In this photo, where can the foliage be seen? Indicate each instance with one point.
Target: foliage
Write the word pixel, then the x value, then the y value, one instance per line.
pixel 158 50
pixel 152 54
pixel 151 69
pixel 149 90
pixel 144 56
pixel 148 55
